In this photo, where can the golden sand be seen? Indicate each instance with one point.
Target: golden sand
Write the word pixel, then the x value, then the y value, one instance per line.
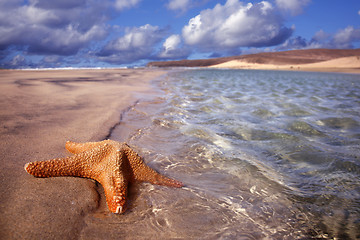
pixel 345 64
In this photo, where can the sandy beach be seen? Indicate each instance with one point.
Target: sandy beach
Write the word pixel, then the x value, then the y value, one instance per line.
pixel 40 110
pixel 222 143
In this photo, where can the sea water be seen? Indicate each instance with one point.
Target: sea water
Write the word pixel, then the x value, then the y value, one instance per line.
pixel 263 155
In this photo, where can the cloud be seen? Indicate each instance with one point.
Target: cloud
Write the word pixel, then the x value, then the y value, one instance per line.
pixel 51 27
pixel 320 36
pixel 342 39
pixel 64 4
pixel 294 6
pixel 66 41
pixel 345 37
pixel 123 4
pixel 137 43
pixel 172 43
pixel 181 5
pixel 233 25
pixel 298 43
pixel 172 48
pixel 51 59
pixel 295 43
pixel 18 60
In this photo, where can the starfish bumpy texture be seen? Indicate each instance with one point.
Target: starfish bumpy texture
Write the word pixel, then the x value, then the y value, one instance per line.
pixel 113 164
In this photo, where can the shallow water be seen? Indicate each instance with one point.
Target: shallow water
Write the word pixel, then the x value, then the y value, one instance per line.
pixel 263 154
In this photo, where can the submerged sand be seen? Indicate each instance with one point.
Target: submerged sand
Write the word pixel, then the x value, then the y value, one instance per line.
pixel 39 111
pixel 344 65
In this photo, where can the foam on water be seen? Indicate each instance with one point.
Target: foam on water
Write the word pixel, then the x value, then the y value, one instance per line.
pixel 263 154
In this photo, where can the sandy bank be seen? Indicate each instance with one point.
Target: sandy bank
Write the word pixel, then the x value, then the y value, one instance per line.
pixel 292 57
pixel 345 65
pixel 39 111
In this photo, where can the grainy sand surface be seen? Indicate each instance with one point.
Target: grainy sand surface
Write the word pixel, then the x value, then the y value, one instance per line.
pixel 39 111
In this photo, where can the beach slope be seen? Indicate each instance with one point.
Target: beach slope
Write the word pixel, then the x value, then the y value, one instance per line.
pixel 39 112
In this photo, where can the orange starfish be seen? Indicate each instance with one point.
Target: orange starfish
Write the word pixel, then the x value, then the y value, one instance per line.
pixel 112 164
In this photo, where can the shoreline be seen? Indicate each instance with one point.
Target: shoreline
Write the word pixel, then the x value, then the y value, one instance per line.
pixel 40 110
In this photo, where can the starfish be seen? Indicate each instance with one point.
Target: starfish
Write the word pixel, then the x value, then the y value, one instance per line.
pixel 113 164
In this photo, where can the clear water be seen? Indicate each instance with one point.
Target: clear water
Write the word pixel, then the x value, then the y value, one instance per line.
pixel 263 154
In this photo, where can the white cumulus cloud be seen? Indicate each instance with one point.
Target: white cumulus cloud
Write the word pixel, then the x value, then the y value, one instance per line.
pixel 51 27
pixel 294 6
pixel 172 42
pixel 137 43
pixel 235 25
pixel 172 48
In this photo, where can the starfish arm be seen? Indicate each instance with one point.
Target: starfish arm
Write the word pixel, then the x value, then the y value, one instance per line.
pixel 115 189
pixel 115 182
pixel 54 168
pixel 83 164
pixel 142 172
pixel 75 148
pixel 159 179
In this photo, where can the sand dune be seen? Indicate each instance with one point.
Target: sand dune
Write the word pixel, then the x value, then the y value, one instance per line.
pixel 329 60
pixel 344 64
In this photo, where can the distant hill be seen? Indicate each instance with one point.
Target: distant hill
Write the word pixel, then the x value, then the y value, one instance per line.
pixel 277 58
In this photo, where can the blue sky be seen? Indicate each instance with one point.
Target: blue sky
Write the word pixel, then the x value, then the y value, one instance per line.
pixel 112 33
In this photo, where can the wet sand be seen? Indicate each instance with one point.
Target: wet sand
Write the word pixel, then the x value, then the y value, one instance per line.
pixel 39 112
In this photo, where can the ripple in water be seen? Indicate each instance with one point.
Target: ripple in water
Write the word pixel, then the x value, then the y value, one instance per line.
pixel 263 154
